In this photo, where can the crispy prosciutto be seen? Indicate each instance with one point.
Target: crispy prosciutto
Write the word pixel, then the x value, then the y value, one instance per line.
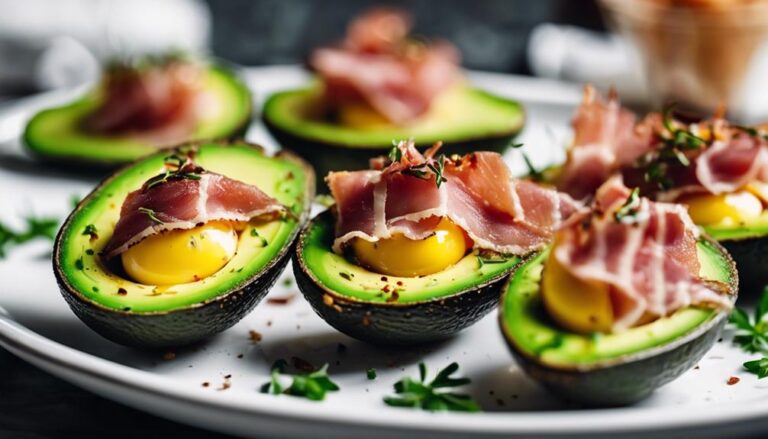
pixel 183 197
pixel 379 65
pixel 644 251
pixel 410 193
pixel 160 103
pixel 664 156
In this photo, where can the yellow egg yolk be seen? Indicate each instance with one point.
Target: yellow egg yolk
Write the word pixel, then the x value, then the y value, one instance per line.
pixel 724 209
pixel 401 256
pixel 181 256
pixel 361 116
pixel 574 304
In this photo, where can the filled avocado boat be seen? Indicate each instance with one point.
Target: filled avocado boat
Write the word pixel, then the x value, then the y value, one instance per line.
pixel 418 248
pixel 380 84
pixel 183 243
pixel 141 106
pixel 629 296
pixel 717 169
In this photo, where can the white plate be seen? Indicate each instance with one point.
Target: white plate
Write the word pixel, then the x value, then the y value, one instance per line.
pixel 37 326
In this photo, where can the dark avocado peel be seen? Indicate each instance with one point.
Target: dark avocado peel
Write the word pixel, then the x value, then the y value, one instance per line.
pixel 610 369
pixel 390 310
pixel 56 136
pixel 173 315
pixel 479 121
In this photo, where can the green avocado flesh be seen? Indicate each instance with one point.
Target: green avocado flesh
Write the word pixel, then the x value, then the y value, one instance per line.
pixel 466 114
pixel 84 271
pixel 343 277
pixel 536 335
pixel 57 132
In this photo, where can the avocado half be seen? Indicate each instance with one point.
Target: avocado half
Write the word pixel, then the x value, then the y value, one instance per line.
pixel 56 134
pixel 361 303
pixel 149 316
pixel 609 369
pixel 469 120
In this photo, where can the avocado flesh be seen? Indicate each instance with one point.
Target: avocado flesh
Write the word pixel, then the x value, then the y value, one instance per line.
pixel 466 120
pixel 57 133
pixel 609 369
pixel 150 316
pixel 428 308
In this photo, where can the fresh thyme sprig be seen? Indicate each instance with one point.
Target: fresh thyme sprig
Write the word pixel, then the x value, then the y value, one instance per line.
pixel 629 212
pixel 313 385
pixel 433 396
pixel 533 173
pixel 175 169
pixel 420 171
pixel 42 227
pixel 151 214
pixel 752 332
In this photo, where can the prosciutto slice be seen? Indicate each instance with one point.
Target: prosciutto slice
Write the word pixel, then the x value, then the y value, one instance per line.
pixel 181 202
pixel 647 255
pixel 378 65
pixel 160 104
pixel 477 192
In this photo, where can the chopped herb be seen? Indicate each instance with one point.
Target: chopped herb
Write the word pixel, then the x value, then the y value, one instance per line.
pixel 287 282
pixel 752 333
pixel 89 252
pixel 312 385
pixel 437 168
pixel 177 168
pixel 533 173
pixel 371 373
pixel 151 214
pixel 629 212
pixel 515 145
pixel 79 263
pixel 345 275
pixel 395 154
pixel 90 229
pixel 758 367
pixel 432 396
pixel 263 240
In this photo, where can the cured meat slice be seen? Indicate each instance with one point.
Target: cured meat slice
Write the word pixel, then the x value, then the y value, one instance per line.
pixel 378 65
pixel 477 192
pixel 644 251
pixel 184 198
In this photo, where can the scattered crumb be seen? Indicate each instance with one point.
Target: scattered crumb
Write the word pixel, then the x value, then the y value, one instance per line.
pixel 206 384
pixel 282 300
pixel 697 367
pixel 168 356
pixel 240 355
pixel 733 380
pixel 269 323
pixel 720 340
pixel 254 336
pixel 225 385
pixel 226 377
pixel 302 364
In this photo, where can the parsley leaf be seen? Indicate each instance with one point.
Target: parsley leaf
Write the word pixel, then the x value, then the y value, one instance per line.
pixel 395 154
pixel 313 385
pixel 432 396
pixel 629 212
pixel 35 228
pixel 151 214
pixel 752 333
pixel 758 367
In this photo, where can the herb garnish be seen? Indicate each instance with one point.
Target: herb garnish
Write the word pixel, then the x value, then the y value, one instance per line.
pixel 752 333
pixel 263 240
pixel 395 154
pixel 176 168
pixel 35 228
pixel 629 212
pixel 482 260
pixel 432 396
pixel 758 367
pixel 533 173
pixel 90 230
pixel 370 373
pixel 151 214
pixel 313 385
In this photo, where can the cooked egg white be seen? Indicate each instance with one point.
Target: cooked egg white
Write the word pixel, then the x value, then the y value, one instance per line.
pixel 181 256
pixel 401 256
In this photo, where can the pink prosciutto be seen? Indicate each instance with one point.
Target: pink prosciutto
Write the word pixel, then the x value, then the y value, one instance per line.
pixel 184 203
pixel 647 258
pixel 377 64
pixel 159 104
pixel 479 194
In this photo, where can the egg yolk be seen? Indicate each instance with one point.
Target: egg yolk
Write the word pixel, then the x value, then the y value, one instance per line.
pixel 361 116
pixel 181 256
pixel 401 256
pixel 724 209
pixel 575 304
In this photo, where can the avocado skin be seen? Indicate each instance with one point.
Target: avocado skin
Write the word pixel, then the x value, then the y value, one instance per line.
pixel 627 379
pixel 327 157
pixel 190 324
pixel 630 379
pixel 750 256
pixel 175 328
pixel 394 324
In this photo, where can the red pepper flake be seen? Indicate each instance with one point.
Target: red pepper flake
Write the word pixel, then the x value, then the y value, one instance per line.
pixel 302 365
pixel 393 297
pixel 384 278
pixel 733 380
pixel 225 385
pixel 289 175
pixel 122 291
pixel 254 336
pixel 168 356
pixel 283 300
pixel 385 288
pixel 399 283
